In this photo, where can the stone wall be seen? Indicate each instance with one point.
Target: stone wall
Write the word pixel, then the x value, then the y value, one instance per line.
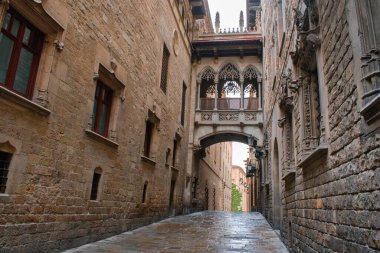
pixel 329 193
pixel 47 206
pixel 213 189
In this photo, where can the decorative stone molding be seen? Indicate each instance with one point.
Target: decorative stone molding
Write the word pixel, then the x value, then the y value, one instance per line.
pixel 307 42
pixel 59 45
pixel 42 98
pixel 206 116
pixel 229 116
pixel 285 96
pixel 249 116
pixel 369 38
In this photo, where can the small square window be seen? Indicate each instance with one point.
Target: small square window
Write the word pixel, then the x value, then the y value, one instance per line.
pixel 164 69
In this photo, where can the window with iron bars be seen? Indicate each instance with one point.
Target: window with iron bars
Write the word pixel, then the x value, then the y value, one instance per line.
pixel 164 69
pixel 5 159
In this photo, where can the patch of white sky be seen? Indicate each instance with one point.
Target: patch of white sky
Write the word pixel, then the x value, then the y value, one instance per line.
pixel 229 11
pixel 239 154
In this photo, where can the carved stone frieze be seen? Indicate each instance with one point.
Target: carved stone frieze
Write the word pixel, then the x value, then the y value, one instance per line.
pixel 229 116
pixel 206 116
pixel 248 116
pixel 310 114
pixel 285 96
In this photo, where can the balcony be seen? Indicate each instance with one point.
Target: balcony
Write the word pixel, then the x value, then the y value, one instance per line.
pixel 229 104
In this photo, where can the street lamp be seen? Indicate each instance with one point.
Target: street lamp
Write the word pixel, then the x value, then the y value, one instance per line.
pixel 251 170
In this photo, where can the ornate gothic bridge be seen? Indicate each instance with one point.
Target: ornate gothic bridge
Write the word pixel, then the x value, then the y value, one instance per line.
pixel 229 100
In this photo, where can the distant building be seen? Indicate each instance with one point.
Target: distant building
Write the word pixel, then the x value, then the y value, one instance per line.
pixel 211 189
pixel 243 184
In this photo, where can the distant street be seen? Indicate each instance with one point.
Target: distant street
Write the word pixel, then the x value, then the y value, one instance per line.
pixel 199 232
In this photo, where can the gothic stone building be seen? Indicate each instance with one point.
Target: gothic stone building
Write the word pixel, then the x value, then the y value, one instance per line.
pixel 93 118
pixel 320 181
pixel 106 106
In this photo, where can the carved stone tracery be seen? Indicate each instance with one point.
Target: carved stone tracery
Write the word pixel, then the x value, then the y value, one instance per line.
pixel 229 71
pixel 310 114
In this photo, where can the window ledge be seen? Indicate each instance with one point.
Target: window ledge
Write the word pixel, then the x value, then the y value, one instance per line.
pixel 4 198
pixel 318 153
pixel 371 111
pixel 148 160
pixel 289 174
pixel 18 99
pixel 101 138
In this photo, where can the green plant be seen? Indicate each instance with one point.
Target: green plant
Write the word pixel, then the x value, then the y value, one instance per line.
pixel 235 199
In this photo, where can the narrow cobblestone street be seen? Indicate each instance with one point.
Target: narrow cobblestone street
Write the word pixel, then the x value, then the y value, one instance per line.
pixel 198 232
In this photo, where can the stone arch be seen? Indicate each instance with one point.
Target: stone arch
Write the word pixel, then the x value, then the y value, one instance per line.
pixel 276 186
pixel 229 71
pixel 207 73
pixel 207 88
pixel 251 72
pixel 223 136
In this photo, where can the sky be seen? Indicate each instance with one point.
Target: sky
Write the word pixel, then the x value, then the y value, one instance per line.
pixel 239 153
pixel 229 11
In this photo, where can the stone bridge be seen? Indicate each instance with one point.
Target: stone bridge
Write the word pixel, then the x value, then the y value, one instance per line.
pixel 228 102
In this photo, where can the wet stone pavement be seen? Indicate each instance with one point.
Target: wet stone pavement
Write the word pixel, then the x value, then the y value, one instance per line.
pixel 198 232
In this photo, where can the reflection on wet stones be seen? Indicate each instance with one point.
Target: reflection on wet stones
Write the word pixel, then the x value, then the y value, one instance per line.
pixel 197 232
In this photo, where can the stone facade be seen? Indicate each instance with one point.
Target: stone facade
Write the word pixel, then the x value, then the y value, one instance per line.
pixel 56 156
pixel 319 180
pixel 212 188
pixel 67 179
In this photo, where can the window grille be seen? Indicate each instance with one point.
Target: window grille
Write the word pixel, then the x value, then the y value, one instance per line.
pixel 5 159
pixel 164 69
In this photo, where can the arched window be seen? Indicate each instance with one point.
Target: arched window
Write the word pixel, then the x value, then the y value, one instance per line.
pixel 95 184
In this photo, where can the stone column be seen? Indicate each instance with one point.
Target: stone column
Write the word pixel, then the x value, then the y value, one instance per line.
pixel 4 5
pixel 241 92
pixel 259 95
pixel 216 81
pixel 199 81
